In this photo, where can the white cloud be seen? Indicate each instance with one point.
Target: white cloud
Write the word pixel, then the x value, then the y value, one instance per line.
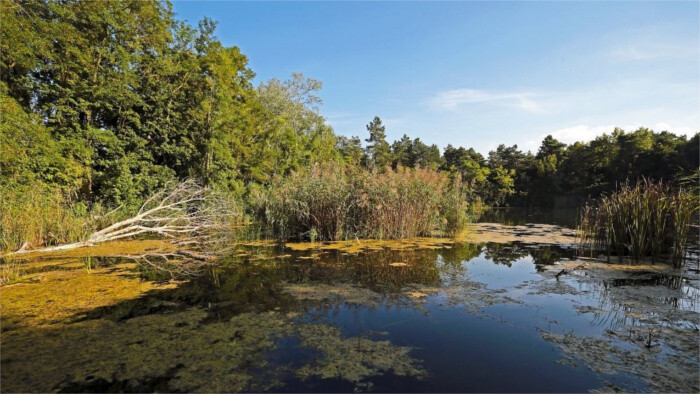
pixel 581 133
pixel 681 130
pixel 452 99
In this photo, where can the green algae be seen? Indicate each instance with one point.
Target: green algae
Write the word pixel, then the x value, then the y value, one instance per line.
pixel 63 293
pixel 197 356
pixel 549 286
pixel 354 359
pixel 364 245
pixel 224 344
pixel 541 234
pixel 340 292
pixel 473 296
pixel 183 350
pixel 114 248
pixel 478 233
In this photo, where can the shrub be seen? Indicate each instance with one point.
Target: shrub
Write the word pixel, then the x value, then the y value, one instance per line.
pixel 648 219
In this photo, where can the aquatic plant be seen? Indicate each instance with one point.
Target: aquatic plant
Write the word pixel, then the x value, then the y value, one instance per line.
pixel 306 205
pixel 334 202
pixel 88 264
pixel 398 204
pixel 649 219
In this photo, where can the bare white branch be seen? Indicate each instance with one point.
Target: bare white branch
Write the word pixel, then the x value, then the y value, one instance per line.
pixel 195 218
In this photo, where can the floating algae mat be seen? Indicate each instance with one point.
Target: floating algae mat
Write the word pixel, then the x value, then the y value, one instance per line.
pixel 412 316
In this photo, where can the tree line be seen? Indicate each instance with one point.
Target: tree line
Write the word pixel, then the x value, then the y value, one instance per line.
pixel 557 173
pixel 108 101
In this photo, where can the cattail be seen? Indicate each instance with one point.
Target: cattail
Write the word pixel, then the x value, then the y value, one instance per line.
pixel 650 219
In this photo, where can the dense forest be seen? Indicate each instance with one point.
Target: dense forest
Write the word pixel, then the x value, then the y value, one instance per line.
pixel 105 102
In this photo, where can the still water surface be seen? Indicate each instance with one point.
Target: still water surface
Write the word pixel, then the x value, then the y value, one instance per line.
pixel 461 318
pixel 511 216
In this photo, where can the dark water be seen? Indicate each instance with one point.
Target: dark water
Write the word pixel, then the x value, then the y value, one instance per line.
pixel 518 216
pixel 473 317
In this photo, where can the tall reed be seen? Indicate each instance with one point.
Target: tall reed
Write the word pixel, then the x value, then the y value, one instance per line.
pixel 650 219
pixel 332 202
pixel 397 204
pixel 317 202
pixel 43 216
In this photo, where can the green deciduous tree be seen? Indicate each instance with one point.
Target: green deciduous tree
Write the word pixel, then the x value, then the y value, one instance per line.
pixel 470 164
pixel 135 98
pixel 299 134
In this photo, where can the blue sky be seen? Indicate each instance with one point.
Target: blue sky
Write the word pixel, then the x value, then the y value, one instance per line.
pixel 477 74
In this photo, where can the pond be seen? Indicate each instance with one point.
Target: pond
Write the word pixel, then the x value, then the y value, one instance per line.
pixel 460 317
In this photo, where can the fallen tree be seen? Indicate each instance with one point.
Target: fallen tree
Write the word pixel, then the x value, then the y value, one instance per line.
pixel 192 216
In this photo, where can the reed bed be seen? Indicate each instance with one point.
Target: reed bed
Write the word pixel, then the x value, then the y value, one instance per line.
pixel 334 202
pixel 45 216
pixel 649 219
pixel 39 216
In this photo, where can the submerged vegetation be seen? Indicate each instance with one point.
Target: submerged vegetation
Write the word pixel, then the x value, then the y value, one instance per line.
pixel 220 356
pixel 649 219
